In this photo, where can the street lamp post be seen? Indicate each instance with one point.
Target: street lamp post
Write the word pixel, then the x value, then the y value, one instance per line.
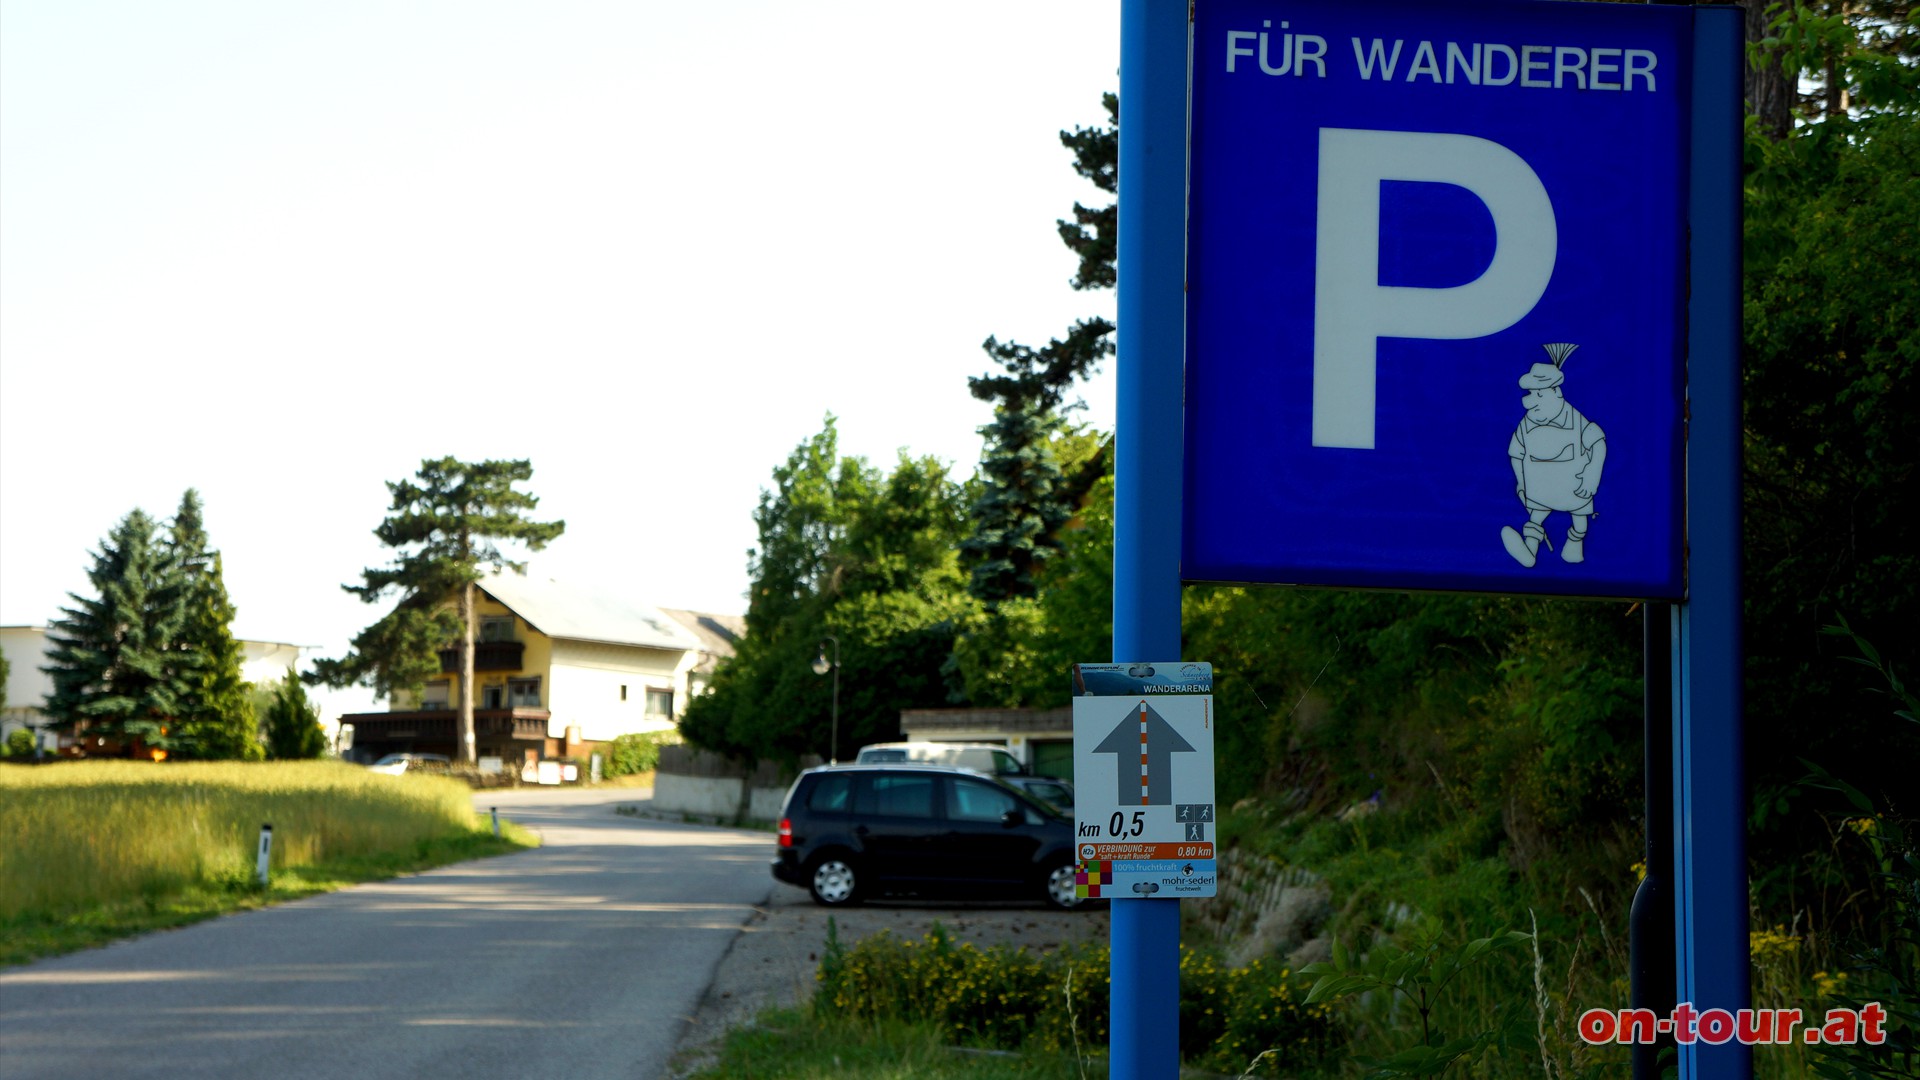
pixel 820 667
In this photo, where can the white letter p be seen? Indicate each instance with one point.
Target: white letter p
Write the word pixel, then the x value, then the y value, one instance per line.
pixel 1352 310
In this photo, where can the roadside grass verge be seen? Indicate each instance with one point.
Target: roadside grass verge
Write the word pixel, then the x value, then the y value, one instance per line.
pixel 797 1044
pixel 95 851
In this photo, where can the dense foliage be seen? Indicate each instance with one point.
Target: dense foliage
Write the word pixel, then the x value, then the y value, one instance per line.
pixel 851 563
pixel 1057 1002
pixel 632 753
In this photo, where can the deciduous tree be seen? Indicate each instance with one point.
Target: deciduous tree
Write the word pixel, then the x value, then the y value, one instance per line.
pixel 446 525
pixel 849 552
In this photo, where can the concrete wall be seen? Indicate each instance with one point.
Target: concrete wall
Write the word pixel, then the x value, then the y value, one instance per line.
pixel 704 784
pixel 715 797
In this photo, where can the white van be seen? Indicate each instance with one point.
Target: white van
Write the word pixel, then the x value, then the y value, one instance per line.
pixel 984 757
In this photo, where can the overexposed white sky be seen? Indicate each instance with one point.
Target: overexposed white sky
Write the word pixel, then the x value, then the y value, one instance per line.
pixel 282 252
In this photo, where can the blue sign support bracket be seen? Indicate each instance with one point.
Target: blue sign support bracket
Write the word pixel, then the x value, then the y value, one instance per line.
pixel 1709 765
pixel 1144 1015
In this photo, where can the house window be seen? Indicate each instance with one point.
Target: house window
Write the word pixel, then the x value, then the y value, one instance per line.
pixel 523 693
pixel 436 695
pixel 493 696
pixel 496 628
pixel 660 703
pixel 623 691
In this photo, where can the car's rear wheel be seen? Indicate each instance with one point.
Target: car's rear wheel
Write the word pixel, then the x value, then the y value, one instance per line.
pixel 834 882
pixel 1060 892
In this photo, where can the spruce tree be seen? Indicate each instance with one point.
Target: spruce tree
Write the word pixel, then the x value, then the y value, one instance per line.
pixel 116 662
pixel 293 725
pixel 217 720
pixel 445 524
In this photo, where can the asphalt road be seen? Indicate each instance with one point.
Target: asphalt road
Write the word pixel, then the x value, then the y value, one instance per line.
pixel 580 960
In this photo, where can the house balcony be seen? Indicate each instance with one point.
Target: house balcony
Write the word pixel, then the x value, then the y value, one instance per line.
pixel 487 656
pixel 441 725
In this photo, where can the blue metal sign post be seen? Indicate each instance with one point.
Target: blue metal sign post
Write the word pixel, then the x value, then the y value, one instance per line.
pixel 1709 763
pixel 1144 1017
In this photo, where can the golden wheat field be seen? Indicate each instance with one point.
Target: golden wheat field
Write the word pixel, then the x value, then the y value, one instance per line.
pixel 82 833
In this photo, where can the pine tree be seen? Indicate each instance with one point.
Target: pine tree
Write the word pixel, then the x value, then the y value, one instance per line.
pixel 1024 495
pixel 293 725
pixel 445 527
pixel 116 663
pixel 217 720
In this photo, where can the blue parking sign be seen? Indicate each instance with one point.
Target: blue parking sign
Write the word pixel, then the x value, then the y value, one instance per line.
pixel 1437 268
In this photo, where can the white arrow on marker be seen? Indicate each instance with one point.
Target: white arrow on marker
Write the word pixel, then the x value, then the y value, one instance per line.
pixel 1148 734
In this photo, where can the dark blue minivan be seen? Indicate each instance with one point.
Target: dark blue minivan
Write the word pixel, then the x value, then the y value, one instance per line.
pixel 851 832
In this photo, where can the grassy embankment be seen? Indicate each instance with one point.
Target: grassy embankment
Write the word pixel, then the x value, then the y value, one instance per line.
pixel 99 850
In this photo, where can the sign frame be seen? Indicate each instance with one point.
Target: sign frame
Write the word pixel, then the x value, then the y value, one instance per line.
pixel 1400 268
pixel 1144 809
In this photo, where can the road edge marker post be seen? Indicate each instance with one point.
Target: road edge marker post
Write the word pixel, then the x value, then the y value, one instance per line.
pixel 1144 1016
pixel 261 865
pixel 1709 765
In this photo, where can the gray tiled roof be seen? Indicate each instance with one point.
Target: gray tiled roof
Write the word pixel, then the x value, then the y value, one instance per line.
pixel 598 613
pixel 717 633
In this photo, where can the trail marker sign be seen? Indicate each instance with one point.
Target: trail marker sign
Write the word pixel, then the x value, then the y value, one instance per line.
pixel 1143 774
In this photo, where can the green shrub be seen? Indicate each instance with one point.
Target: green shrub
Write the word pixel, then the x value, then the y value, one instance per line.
pixel 1009 998
pixel 632 754
pixel 19 744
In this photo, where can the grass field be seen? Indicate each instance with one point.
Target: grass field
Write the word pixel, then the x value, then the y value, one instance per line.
pixel 96 850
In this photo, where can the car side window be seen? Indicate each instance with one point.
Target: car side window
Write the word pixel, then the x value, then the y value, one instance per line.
pixel 831 795
pixel 899 796
pixel 1005 764
pixel 971 800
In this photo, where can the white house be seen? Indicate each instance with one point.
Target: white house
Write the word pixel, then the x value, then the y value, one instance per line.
pixel 558 669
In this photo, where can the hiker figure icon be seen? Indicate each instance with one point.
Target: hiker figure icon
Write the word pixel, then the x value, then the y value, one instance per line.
pixel 1557 456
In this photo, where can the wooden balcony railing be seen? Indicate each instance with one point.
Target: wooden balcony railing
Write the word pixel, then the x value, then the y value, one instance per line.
pixel 487 656
pixel 427 725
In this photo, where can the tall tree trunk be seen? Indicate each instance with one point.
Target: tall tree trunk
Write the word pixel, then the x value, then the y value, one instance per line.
pixel 1769 96
pixel 468 753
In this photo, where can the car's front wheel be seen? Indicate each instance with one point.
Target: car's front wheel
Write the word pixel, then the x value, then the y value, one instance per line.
pixel 834 882
pixel 1060 891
